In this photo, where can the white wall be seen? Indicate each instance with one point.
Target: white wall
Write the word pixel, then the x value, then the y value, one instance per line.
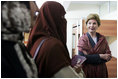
pixel 70 22
pixel 108 11
pixel 113 48
pixel 110 16
pixel 82 11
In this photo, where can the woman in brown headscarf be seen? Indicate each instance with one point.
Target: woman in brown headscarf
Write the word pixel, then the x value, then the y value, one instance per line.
pixel 53 58
pixel 95 48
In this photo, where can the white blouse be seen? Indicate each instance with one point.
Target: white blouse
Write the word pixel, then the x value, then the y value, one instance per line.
pixel 94 39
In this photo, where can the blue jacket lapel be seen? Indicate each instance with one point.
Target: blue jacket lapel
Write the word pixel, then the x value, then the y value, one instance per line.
pixel 91 40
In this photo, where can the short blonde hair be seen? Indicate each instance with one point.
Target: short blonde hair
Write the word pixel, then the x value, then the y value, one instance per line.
pixel 93 16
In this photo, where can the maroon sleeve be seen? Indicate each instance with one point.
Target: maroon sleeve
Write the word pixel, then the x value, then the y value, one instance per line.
pixel 81 43
pixel 107 48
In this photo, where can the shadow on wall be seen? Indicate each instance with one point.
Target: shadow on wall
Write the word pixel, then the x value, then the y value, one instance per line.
pixel 112 41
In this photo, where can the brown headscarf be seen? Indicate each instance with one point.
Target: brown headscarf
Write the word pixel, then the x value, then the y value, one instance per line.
pixel 50 24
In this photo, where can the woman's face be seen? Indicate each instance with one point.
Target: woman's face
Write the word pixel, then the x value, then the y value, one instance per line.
pixel 92 25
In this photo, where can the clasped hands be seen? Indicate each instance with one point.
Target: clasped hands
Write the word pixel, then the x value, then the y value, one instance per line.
pixel 105 56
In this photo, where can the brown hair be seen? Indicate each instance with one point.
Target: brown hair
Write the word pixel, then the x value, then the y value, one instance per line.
pixel 93 16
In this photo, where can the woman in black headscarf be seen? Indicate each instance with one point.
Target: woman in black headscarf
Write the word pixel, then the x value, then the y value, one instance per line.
pixel 15 59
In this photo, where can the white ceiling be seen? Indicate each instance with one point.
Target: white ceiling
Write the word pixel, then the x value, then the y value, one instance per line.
pixel 67 4
pixel 88 2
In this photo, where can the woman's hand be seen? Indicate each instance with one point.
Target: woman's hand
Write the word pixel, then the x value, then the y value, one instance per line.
pixel 105 56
